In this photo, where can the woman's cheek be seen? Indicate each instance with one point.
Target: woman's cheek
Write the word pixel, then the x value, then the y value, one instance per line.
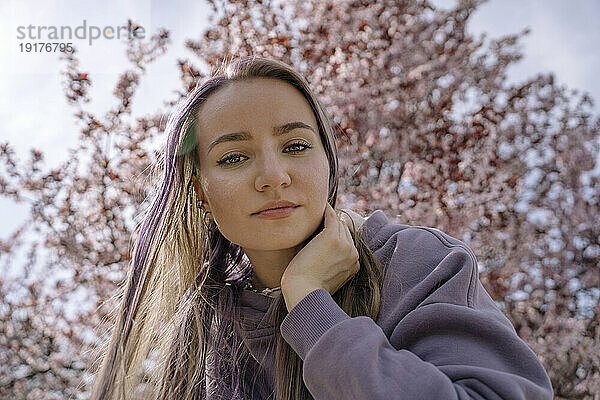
pixel 223 193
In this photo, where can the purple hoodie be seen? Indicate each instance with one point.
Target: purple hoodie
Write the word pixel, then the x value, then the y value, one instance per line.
pixel 439 335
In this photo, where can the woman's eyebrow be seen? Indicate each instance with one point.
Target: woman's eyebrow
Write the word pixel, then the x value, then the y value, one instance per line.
pixel 277 131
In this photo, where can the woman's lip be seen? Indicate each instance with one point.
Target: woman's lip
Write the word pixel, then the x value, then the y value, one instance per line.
pixel 276 213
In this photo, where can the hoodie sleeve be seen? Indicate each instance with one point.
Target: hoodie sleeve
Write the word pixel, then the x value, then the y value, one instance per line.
pixel 439 335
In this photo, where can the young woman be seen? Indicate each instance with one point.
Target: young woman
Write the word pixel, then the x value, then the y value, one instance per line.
pixel 248 283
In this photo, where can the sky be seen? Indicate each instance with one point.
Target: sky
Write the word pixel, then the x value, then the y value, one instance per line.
pixel 35 113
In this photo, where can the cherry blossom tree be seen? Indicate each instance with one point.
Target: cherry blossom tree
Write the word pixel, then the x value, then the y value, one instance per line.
pixel 429 131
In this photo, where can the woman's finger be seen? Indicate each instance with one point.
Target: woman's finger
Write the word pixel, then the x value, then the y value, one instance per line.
pixel 341 225
pixel 347 232
pixel 335 219
pixel 329 217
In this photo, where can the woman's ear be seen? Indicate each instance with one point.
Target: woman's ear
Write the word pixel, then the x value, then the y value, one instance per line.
pixel 199 194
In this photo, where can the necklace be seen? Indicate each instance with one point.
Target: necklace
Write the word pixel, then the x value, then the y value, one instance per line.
pixel 265 291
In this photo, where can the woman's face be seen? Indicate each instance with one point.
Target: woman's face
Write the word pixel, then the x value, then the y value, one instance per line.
pixel 238 177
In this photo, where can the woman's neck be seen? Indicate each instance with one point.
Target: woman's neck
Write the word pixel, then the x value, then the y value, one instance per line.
pixel 269 266
pixel 271 284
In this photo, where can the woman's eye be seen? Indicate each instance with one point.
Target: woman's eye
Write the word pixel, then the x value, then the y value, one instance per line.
pixel 228 160
pixel 302 144
pixel 230 157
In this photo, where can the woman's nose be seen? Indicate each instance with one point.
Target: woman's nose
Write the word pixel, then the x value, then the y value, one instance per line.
pixel 272 173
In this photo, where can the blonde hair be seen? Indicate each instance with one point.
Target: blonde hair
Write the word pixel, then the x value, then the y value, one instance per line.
pixel 183 286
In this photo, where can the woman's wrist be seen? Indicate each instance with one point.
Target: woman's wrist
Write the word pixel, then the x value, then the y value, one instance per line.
pixel 294 293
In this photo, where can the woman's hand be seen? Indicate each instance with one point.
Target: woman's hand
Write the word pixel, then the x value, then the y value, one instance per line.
pixel 328 261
